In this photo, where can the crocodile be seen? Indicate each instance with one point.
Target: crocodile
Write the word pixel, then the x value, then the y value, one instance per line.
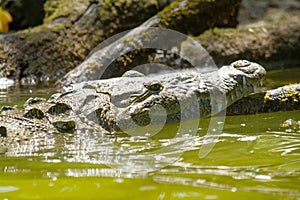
pixel 110 105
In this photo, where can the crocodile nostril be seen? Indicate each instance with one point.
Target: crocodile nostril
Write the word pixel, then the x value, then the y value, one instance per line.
pixel 3 131
pixel 241 63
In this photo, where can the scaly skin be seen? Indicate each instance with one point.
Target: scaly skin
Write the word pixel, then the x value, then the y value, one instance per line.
pixel 112 104
pixel 15 130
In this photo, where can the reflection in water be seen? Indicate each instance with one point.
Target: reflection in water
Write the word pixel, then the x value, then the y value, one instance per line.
pixel 5 83
pixel 8 189
pixel 17 94
pixel 134 155
pixel 277 175
pixel 203 183
pixel 265 162
pixel 255 154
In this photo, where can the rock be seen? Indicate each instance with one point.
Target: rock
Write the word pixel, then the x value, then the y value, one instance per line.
pixel 71 29
pixel 187 16
pixel 276 44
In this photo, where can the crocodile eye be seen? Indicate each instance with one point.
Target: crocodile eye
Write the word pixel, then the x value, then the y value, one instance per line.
pixel 241 63
pixel 154 86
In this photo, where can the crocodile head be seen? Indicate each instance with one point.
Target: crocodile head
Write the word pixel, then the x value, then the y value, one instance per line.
pixel 170 94
pixel 135 100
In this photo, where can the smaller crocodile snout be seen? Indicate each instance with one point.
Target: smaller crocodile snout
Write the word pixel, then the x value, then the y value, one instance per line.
pixel 249 69
pixel 240 63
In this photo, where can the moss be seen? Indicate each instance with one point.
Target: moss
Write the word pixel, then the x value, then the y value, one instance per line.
pixel 164 15
pixel 69 32
pixel 267 97
pixel 284 98
pixel 37 38
pixel 194 17
pixel 291 95
pixel 67 9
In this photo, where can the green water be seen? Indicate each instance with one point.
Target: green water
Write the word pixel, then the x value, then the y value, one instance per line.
pixel 254 157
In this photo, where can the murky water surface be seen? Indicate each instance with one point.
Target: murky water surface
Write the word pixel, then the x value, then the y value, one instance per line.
pixel 255 157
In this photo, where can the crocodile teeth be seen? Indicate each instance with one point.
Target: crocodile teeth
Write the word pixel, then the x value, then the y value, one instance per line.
pixel 244 91
pixel 237 93
pixel 219 107
pixel 254 88
pixel 244 82
pixel 261 83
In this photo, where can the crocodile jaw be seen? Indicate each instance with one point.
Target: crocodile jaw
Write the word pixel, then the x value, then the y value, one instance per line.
pixel 240 79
